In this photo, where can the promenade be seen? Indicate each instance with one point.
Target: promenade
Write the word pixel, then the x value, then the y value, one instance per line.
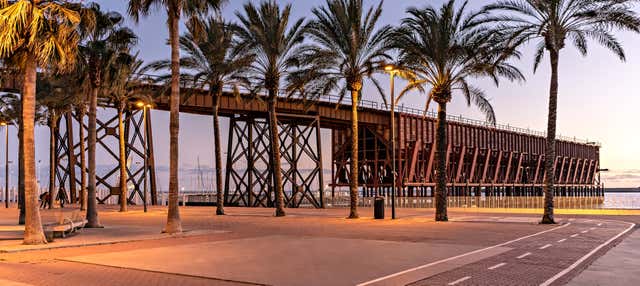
pixel 319 247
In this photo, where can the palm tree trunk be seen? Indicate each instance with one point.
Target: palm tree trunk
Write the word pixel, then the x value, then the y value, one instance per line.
pixel 441 163
pixel 92 202
pixel 21 196
pixel 216 143
pixel 33 233
pixel 174 225
pixel 52 160
pixel 275 154
pixel 123 162
pixel 550 152
pixel 83 165
pixel 353 182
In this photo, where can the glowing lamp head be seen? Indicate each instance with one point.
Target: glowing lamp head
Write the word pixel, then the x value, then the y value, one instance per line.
pixel 3 123
pixel 140 104
pixel 389 68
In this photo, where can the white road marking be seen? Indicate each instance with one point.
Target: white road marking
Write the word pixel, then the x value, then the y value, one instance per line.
pixel 584 231
pixel 588 220
pixel 458 256
pixel 524 255
pixel 592 228
pixel 460 280
pixel 562 240
pixel 582 259
pixel 545 246
pixel 600 224
pixel 497 266
pixel 572 219
pixel 574 235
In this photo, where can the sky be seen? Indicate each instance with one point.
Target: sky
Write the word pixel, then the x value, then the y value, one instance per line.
pixel 598 97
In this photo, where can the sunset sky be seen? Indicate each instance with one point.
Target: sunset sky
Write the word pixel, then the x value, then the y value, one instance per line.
pixel 598 96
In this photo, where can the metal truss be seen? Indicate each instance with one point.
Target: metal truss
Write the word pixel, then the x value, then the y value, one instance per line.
pixel 107 140
pixel 478 159
pixel 249 170
pixel 374 154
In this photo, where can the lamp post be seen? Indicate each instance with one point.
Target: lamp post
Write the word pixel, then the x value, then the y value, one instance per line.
pixel 144 107
pixel 6 163
pixel 392 73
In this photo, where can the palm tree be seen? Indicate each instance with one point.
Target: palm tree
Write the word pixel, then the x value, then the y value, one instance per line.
pixel 445 48
pixel 82 90
pixel 39 33
pixel 266 33
pixel 80 108
pixel 78 90
pixel 175 9
pixel 53 94
pixel 123 83
pixel 105 41
pixel 12 112
pixel 552 23
pixel 216 61
pixel 347 49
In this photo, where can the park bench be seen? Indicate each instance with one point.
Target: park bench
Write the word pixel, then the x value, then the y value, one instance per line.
pixel 66 223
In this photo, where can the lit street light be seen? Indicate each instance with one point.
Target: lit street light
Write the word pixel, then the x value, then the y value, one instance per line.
pixel 6 164
pixel 144 106
pixel 392 72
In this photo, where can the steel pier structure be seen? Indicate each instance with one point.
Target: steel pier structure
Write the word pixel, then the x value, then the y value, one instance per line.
pixel 482 159
pixel 136 149
pixel 494 160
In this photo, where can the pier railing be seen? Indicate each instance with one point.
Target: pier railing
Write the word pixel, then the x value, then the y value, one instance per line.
pixel 402 108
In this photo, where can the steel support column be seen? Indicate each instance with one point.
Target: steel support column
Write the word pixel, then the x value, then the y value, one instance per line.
pixel 248 173
pixel 68 148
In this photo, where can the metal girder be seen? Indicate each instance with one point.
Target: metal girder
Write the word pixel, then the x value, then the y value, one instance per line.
pixel 374 162
pixel 68 149
pixel 249 170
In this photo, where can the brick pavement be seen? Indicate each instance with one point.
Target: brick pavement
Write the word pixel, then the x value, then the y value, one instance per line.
pixel 476 231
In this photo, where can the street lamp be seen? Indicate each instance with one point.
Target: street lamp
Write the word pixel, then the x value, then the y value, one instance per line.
pixel 6 163
pixel 144 106
pixel 391 69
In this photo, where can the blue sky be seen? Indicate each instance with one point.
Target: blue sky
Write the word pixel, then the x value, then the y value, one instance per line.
pixel 598 98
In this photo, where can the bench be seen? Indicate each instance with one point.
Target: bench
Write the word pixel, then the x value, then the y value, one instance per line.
pixel 65 225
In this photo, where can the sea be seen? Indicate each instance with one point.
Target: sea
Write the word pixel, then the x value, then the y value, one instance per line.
pixel 621 198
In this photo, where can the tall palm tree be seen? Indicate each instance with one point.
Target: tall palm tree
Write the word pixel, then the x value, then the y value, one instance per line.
pixel 39 33
pixel 267 34
pixel 123 84
pixel 447 47
pixel 53 94
pixel 80 108
pixel 12 112
pixel 175 9
pixel 216 61
pixel 347 48
pixel 552 23
pixel 105 41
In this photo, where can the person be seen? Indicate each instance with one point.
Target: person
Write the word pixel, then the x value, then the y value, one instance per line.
pixel 62 197
pixel 44 200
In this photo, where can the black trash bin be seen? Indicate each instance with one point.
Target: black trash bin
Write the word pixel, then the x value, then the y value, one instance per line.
pixel 378 208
